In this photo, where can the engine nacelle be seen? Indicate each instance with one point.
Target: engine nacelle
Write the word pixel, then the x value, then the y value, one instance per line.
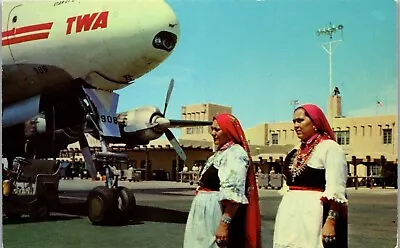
pixel 35 126
pixel 141 125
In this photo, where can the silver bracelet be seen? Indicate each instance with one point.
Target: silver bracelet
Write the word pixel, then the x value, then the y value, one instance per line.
pixel 226 220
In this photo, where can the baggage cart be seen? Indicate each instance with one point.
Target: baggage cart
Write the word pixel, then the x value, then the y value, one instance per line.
pixel 276 181
pixel 263 180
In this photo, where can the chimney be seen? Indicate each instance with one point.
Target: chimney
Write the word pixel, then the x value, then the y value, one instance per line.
pixel 335 105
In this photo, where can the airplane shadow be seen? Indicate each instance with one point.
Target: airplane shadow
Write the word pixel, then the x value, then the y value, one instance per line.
pixel 156 214
pixel 78 210
pixel 25 220
pixel 142 213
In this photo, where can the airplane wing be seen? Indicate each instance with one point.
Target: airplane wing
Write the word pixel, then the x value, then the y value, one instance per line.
pixel 188 123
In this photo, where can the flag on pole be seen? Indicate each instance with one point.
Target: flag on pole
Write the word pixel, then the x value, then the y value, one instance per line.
pixel 379 104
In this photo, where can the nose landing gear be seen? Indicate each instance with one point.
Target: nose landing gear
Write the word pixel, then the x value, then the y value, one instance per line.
pixel 110 203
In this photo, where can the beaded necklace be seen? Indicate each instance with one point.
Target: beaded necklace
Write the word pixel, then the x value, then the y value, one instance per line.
pixel 301 158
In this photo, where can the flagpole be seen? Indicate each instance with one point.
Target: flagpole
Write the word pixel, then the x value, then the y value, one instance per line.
pixel 329 50
pixel 379 104
pixel 386 106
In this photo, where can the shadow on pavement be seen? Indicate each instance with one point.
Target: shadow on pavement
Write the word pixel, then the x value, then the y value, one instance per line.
pixel 147 213
pixel 74 208
pixel 24 220
pixel 142 213
pixel 151 191
pixel 77 210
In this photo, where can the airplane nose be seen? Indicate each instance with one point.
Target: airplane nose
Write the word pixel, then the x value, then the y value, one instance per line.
pixel 139 37
pixel 167 38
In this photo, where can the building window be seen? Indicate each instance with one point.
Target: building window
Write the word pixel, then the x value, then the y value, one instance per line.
pixel 189 130
pixel 274 138
pixel 343 137
pixel 376 170
pixel 387 136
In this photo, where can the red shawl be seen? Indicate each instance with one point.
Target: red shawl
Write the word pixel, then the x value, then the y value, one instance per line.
pixel 319 120
pixel 231 126
pixel 324 132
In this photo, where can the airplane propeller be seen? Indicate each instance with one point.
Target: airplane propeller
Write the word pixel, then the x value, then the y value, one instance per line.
pixel 149 123
pixel 170 87
pixel 168 133
pixel 175 144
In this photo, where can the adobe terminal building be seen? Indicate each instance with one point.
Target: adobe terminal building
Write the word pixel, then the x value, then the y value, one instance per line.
pixel 370 144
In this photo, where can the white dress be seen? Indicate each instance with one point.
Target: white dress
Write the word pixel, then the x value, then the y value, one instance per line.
pixel 205 213
pixel 298 223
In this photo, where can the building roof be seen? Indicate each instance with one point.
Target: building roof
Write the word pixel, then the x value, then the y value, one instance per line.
pixel 158 143
pixel 373 156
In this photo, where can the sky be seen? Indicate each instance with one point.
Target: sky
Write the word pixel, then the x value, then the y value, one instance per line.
pixel 258 55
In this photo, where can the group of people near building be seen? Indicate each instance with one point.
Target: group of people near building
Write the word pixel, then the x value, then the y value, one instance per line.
pixel 313 211
pixel 70 169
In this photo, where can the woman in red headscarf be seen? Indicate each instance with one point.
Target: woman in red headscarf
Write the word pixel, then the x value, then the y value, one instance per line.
pixel 313 212
pixel 225 210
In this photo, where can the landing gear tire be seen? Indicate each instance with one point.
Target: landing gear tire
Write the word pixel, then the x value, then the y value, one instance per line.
pixel 101 203
pixel 126 203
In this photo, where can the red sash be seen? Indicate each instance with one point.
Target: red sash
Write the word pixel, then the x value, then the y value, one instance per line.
pixel 305 188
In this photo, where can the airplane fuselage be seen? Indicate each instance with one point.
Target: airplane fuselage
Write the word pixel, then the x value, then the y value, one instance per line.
pixel 48 44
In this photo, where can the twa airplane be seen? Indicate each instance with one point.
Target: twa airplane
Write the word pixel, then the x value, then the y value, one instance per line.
pixel 62 62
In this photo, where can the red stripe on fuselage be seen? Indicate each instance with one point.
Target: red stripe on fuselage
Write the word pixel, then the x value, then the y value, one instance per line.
pixel 25 38
pixel 26 29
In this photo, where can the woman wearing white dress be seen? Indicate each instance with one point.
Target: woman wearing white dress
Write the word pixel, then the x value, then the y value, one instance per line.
pixel 313 212
pixel 225 210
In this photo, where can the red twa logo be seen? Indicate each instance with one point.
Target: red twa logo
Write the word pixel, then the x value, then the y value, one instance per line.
pixel 87 22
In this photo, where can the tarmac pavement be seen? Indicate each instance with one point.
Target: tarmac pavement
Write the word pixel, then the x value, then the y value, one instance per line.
pixel 162 209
